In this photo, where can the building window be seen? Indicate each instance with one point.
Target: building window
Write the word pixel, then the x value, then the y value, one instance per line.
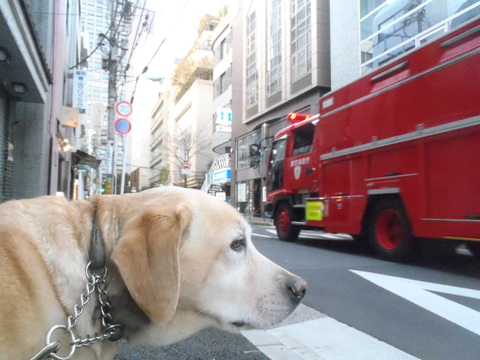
pixel 243 149
pixel 391 28
pixel 226 45
pixel 207 45
pixel 222 83
pixel 301 38
pixel 226 79
pixel 251 66
pixel 223 49
pixel 274 52
pixel 158 150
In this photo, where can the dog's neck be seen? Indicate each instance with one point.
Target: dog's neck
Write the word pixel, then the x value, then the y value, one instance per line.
pixel 125 310
pixel 104 236
pixel 97 253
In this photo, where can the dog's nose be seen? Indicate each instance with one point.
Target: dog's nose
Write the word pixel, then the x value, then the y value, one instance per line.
pixel 298 287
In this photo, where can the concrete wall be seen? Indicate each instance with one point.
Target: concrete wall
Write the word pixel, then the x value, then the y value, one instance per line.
pixel 344 46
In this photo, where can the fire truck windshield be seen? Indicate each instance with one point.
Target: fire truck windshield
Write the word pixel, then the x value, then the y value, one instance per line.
pixel 277 157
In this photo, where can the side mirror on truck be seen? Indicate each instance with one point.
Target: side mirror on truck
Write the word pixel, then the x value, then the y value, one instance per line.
pixel 254 155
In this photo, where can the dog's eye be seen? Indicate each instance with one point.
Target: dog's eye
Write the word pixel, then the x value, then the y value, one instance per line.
pixel 238 244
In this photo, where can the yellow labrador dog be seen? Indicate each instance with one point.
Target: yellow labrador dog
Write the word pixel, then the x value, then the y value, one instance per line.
pixel 177 261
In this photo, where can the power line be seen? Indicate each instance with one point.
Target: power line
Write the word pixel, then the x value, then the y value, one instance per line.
pixel 145 69
pixel 98 45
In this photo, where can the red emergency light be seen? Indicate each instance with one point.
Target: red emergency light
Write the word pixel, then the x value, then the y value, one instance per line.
pixel 295 117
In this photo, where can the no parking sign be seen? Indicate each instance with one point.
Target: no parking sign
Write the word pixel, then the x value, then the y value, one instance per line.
pixel 122 126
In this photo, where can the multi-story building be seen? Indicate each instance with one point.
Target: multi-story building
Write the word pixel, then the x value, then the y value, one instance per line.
pixel 295 51
pixel 40 42
pixel 368 34
pixel 182 118
pixel 222 85
pixel 159 163
pixel 217 181
pixel 284 67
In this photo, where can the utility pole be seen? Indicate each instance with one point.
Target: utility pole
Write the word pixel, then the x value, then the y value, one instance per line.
pixel 117 43
pixel 112 98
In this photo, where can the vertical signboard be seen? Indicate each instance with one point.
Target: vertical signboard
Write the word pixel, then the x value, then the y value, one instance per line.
pixel 223 120
pixel 79 95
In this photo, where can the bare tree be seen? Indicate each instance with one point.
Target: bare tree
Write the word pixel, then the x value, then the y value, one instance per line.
pixel 186 145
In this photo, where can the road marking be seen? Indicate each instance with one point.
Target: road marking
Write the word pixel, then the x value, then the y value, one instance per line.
pixel 318 235
pixel 319 337
pixel 264 236
pixel 419 292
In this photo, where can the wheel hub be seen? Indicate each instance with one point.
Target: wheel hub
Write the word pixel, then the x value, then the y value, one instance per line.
pixel 390 229
pixel 283 222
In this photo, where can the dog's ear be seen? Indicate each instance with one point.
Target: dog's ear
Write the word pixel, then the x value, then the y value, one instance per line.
pixel 147 256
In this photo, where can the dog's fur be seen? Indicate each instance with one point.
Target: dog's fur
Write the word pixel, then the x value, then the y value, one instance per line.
pixel 178 261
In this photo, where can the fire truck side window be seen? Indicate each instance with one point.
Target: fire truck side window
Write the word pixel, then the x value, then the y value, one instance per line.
pixel 303 140
pixel 275 174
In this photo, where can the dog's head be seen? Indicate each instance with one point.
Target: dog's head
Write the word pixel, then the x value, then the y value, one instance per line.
pixel 189 255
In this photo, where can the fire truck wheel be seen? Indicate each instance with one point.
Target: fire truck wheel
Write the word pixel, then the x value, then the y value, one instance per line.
pixel 389 230
pixel 283 222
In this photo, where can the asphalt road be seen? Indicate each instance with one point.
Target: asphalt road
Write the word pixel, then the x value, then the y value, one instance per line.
pixel 208 344
pixel 340 293
pixel 407 310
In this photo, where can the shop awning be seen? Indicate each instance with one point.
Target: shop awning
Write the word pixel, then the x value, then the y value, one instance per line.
pixel 82 158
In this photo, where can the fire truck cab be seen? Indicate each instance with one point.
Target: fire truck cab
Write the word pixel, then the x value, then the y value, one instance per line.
pixel 292 175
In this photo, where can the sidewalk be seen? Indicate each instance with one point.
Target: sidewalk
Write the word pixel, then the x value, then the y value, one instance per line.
pixel 253 220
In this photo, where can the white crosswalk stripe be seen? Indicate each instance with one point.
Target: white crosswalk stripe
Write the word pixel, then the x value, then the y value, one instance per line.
pixel 309 335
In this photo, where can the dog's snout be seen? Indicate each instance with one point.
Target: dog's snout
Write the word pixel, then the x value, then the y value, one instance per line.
pixel 298 287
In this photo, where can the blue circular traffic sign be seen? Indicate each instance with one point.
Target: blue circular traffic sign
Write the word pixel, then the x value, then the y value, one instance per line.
pixel 122 126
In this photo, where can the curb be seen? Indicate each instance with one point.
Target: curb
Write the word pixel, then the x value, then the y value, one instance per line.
pixel 259 221
pixel 265 223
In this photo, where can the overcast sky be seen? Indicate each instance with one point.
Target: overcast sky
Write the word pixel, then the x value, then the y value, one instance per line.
pixel 181 18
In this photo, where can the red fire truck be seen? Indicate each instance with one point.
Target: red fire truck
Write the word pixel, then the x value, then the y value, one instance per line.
pixel 392 158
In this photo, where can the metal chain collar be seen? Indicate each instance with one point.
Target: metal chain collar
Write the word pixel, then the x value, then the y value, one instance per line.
pixel 96 283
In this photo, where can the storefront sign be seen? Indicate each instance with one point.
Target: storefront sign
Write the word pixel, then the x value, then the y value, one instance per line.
pixel 69 116
pixel 223 120
pixel 220 176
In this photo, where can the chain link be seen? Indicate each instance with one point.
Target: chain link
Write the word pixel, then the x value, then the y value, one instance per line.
pixel 96 283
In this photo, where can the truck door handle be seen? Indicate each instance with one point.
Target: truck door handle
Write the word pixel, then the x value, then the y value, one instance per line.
pixel 308 171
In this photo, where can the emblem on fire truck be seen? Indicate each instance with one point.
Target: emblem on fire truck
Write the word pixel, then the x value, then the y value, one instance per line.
pixel 297 170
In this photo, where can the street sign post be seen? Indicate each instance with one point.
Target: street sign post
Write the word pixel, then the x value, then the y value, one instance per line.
pixel 186 168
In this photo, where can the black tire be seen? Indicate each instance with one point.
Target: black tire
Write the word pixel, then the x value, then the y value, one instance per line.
pixel 389 231
pixel 284 216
